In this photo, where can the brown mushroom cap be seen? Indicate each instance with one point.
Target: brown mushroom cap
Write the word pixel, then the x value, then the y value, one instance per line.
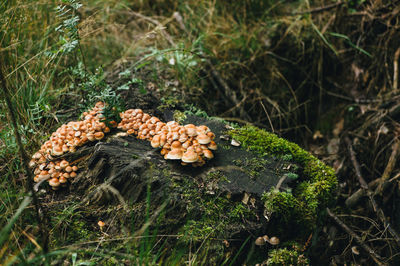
pixel 260 241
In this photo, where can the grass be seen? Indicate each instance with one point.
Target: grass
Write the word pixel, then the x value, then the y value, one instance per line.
pixel 274 63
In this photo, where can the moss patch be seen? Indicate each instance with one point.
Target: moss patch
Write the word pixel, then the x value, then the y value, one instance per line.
pixel 316 184
pixel 283 256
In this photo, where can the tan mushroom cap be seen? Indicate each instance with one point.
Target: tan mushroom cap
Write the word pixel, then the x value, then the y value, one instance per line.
pixel 190 156
pixel 208 154
pixel 174 154
pixel 203 139
pixel 212 145
pixel 62 180
pixel 98 135
pixel 54 182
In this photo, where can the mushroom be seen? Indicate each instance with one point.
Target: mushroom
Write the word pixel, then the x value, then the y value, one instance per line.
pixel 54 183
pixel 174 154
pixel 208 154
pixel 98 135
pixel 190 156
pixel 260 241
pixel 212 145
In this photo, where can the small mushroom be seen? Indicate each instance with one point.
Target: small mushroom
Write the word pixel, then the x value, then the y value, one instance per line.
pixel 235 143
pixel 273 240
pixel 260 241
pixel 101 224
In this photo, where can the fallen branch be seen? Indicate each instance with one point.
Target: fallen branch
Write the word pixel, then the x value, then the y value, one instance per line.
pixel 378 259
pixel 379 212
pixel 383 181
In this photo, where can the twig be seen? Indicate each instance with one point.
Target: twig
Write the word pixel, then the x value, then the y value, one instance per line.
pixel 379 212
pixel 371 252
pixel 24 161
pixel 389 168
pixel 361 180
pixel 354 198
pixel 396 70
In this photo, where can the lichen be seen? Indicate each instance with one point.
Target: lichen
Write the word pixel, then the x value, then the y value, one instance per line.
pixel 316 183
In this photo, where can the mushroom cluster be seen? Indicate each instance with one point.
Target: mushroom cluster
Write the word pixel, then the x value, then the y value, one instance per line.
pixel 189 143
pixel 46 162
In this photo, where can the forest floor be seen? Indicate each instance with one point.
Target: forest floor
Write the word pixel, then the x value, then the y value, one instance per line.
pixel 323 74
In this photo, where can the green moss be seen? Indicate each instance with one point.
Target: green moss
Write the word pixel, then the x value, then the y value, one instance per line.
pixel 317 182
pixel 179 116
pixel 69 226
pixel 209 214
pixel 284 256
pixel 218 214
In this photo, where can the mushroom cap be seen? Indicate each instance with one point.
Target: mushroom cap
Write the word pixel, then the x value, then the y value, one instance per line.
pixel 62 180
pixel 190 156
pixel 98 135
pixel 203 139
pixel 274 240
pixel 57 151
pixel 176 145
pixel 204 129
pixel 163 151
pixel 101 223
pixel 260 241
pixel 44 175
pixel 54 182
pixel 190 131
pixel 212 145
pixel 64 164
pixel 68 169
pixel 174 154
pixel 155 142
pixel 208 154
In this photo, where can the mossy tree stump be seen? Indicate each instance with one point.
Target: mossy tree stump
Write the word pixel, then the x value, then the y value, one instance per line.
pixel 265 186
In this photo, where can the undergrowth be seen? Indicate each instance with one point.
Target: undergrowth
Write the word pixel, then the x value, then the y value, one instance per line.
pixel 268 63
